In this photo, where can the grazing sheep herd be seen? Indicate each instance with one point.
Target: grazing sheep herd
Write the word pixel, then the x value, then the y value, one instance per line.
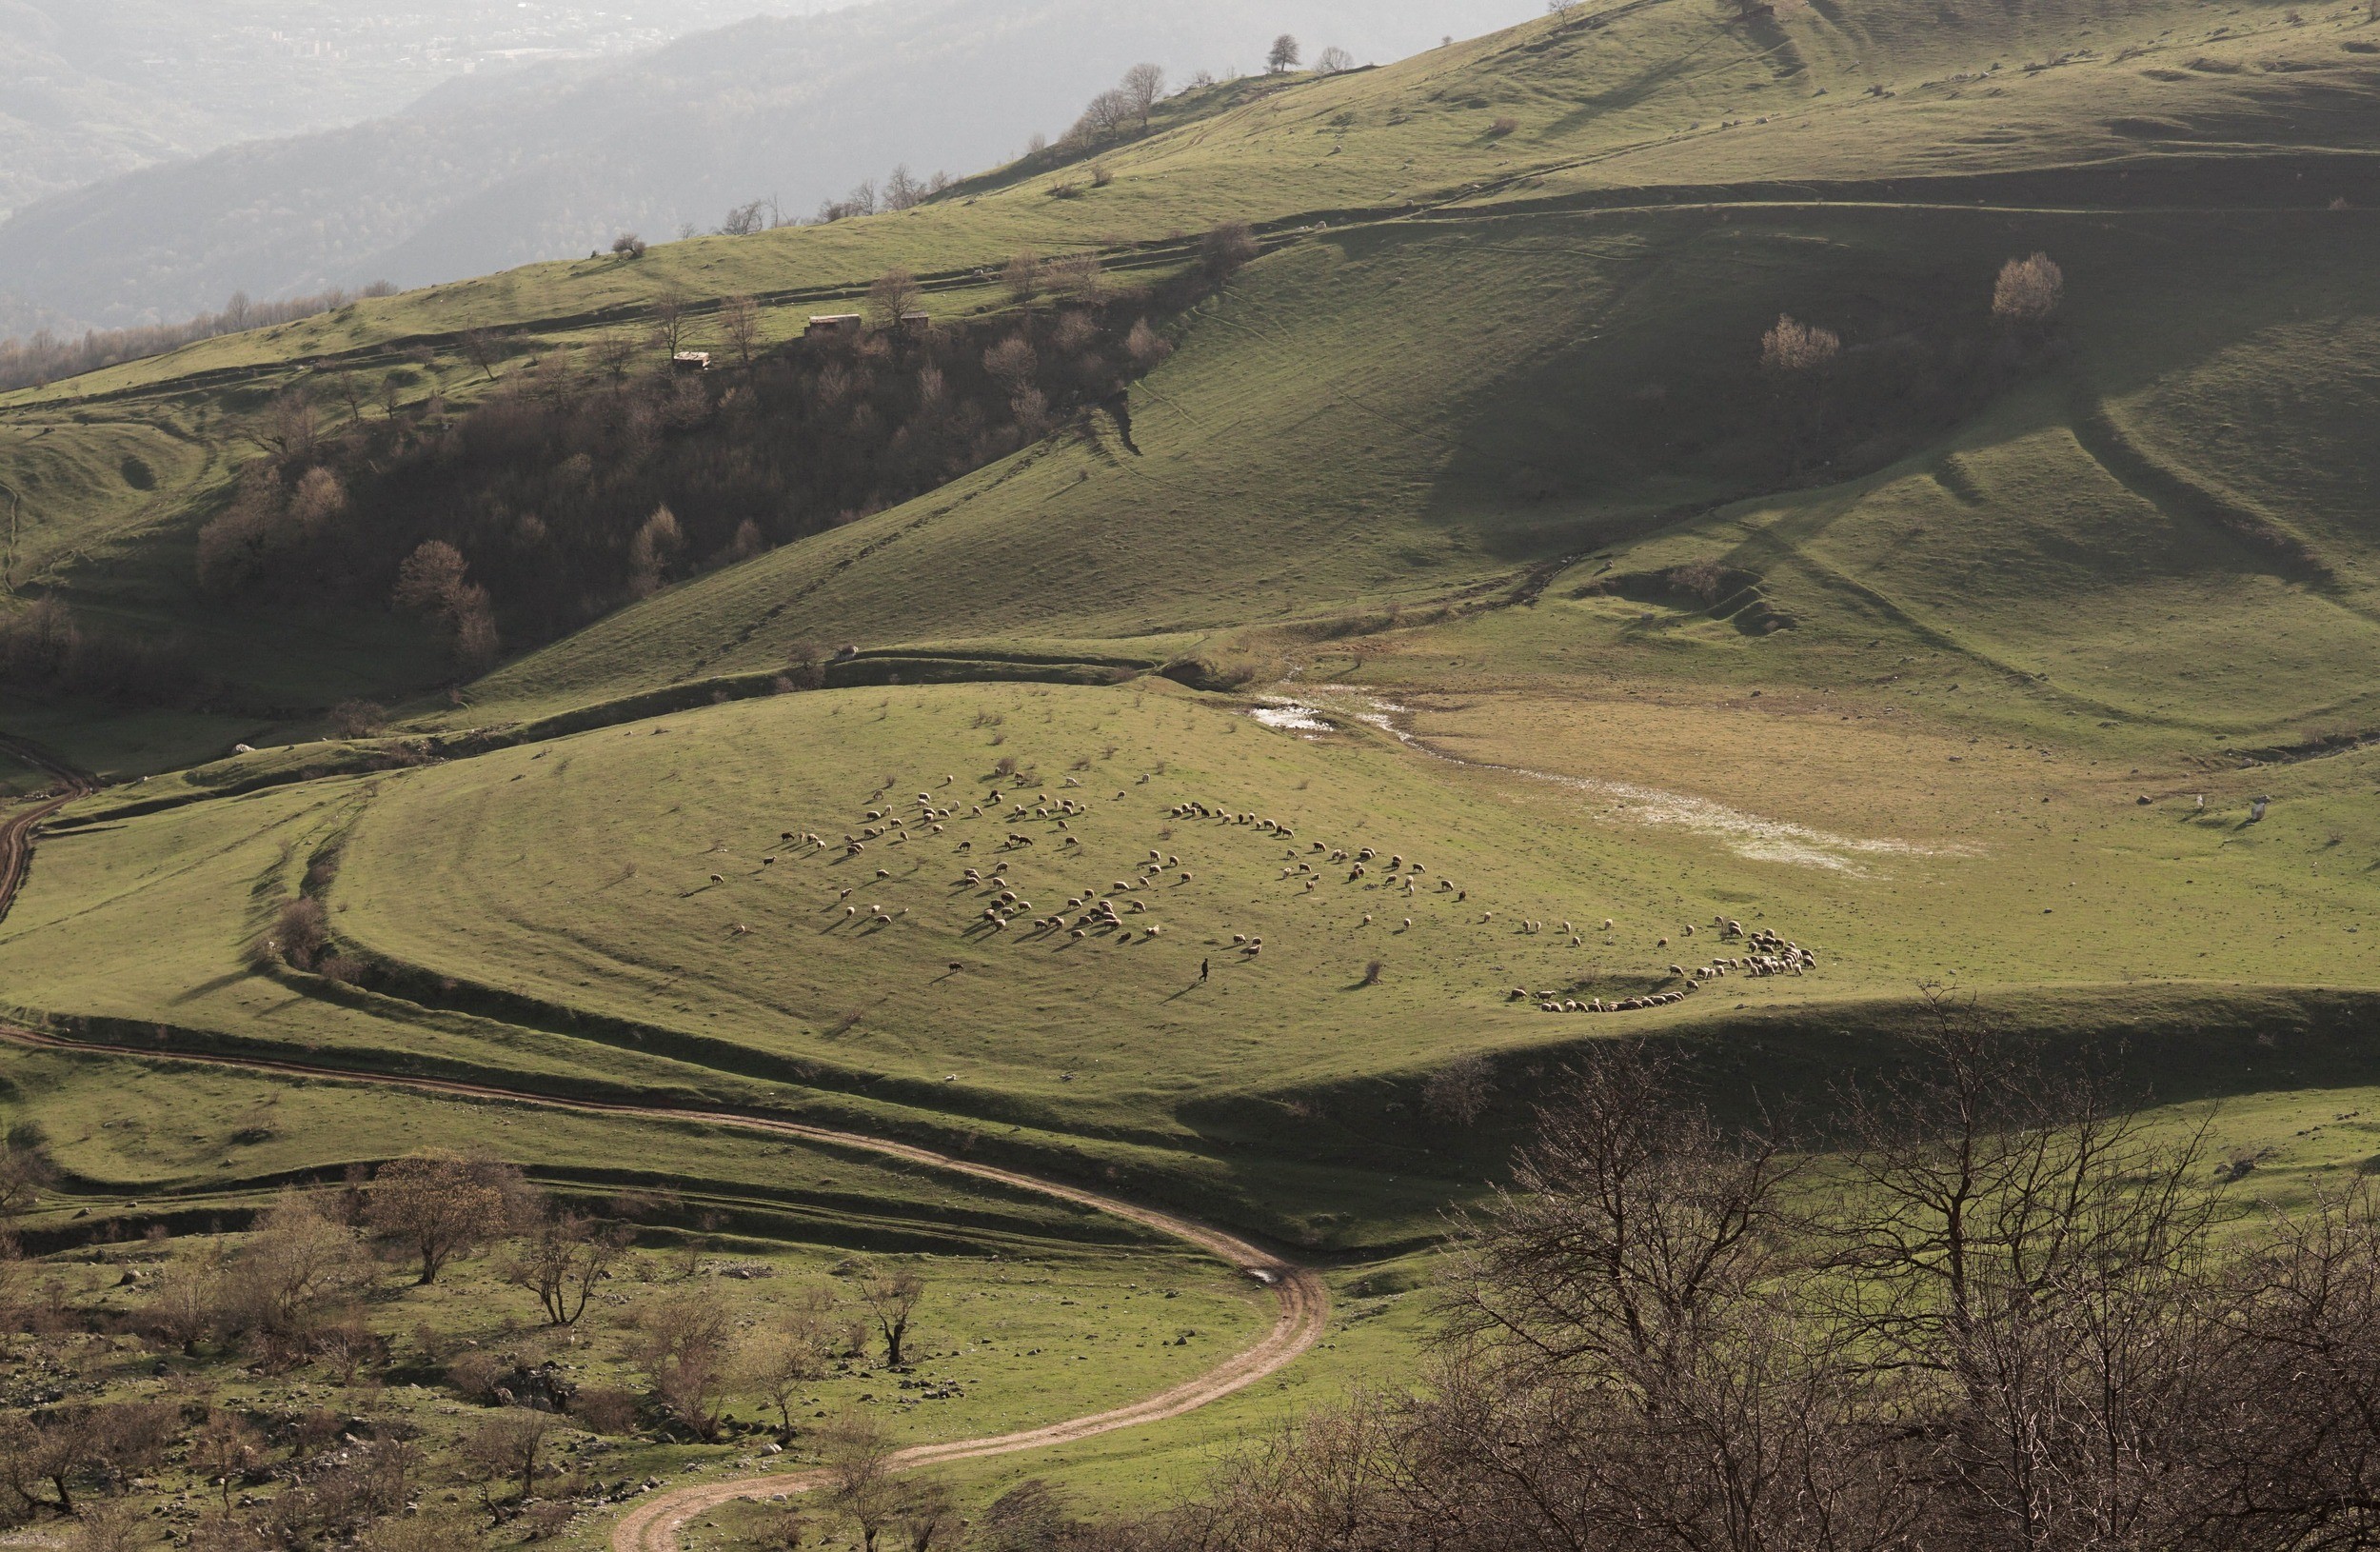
pixel 1121 911
pixel 1777 956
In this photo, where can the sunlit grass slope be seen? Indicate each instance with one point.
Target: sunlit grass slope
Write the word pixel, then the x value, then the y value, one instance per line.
pixel 2043 83
pixel 1379 410
pixel 1444 446
pixel 620 910
pixel 1031 1313
pixel 1415 416
pixel 131 1137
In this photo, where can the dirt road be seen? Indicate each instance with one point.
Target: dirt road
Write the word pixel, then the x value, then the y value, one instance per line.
pixel 652 1525
pixel 17 827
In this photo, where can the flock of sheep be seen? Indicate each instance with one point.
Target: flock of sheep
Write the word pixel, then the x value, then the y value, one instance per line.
pixel 1775 956
pixel 1114 909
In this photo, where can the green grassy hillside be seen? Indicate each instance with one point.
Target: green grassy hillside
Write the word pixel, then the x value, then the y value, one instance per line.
pixel 620 911
pixel 1464 524
pixel 1591 313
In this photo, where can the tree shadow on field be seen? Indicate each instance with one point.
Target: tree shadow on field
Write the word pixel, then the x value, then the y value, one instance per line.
pixel 230 978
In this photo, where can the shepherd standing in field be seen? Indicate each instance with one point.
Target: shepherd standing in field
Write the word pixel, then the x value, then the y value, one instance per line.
pixel 1201 972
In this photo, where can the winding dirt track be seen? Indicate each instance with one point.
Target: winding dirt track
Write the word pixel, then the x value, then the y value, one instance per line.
pixel 652 1525
pixel 16 831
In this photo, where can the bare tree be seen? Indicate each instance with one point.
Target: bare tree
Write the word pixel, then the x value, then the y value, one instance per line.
pixel 561 1260
pixel 482 349
pixel 1034 1515
pixel 291 430
pixel 430 579
pixel 1077 276
pixel 441 1204
pixel 860 201
pixel 1012 364
pixel 1283 55
pixel 2299 1320
pixel 1022 278
pixel 1103 117
pixel 2015 1239
pixel 1148 350
pixel 24 1174
pixel 505 1449
pixel 615 353
pixel 225 1450
pixel 652 552
pixel 783 1357
pixel 1142 86
pixel 628 246
pixel 893 297
pixel 1633 1217
pixel 927 1514
pixel 184 1301
pixel 351 393
pixel 857 1451
pixel 1626 1347
pixel 671 323
pixel 744 220
pixel 1456 1094
pixel 903 192
pixel 476 643
pixel 2007 1317
pixel 320 496
pixel 1227 250
pixel 1797 347
pixel 2028 291
pixel 683 1345
pixel 111 1527
pixel 45 1457
pixel 739 326
pixel 1334 61
pixel 891 1294
pixel 295 1269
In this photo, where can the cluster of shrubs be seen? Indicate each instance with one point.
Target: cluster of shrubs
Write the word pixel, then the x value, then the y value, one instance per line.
pixel 575 487
pixel 295 1293
pixel 1846 409
pixel 1980 1304
pixel 44 647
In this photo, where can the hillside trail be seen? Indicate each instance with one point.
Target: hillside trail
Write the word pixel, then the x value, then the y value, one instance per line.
pixel 17 829
pixel 653 1524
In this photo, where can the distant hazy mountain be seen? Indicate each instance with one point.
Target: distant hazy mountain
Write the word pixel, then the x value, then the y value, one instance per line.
pixel 91 88
pixel 553 159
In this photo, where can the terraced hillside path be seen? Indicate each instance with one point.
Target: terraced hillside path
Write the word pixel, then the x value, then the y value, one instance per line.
pixel 652 1525
pixel 16 829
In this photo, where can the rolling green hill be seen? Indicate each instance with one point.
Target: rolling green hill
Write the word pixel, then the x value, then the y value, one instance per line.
pixel 1465 524
pixel 1491 392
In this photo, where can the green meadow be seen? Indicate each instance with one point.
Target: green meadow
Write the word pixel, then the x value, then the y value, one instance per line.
pixel 1468 621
